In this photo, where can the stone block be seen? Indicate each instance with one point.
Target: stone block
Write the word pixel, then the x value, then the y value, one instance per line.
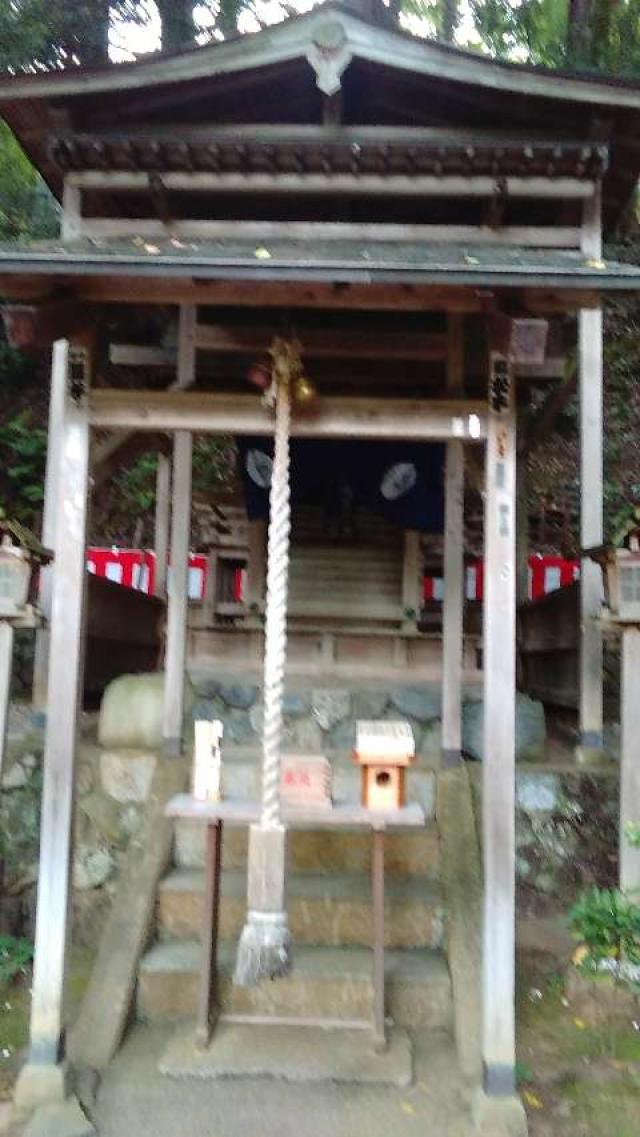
pixel 421 703
pixel 537 793
pixel 531 731
pixel 330 707
pixel 343 735
pixel 91 867
pixel 240 696
pixel 15 778
pixel 126 775
pixel 104 814
pixel 429 741
pixel 369 704
pixel 131 714
pixel 307 736
pixel 296 704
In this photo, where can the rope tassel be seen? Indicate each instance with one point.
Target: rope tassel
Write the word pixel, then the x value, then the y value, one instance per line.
pixel 264 951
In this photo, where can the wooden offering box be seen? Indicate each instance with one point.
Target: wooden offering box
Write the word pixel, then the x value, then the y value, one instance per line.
pixel 384 750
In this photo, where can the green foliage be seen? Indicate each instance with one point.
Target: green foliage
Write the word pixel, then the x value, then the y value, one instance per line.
pixel 23 452
pixel 604 35
pixel 37 35
pixel 27 208
pixel 632 833
pixel 607 922
pixel 16 955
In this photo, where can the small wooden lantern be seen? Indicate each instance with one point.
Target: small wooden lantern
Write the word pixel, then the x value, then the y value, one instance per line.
pixel 384 750
pixel 621 575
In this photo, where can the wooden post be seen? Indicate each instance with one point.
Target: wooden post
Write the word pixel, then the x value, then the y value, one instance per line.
pixel 59 360
pixel 6 657
pixel 256 568
pixel 411 580
pixel 630 765
pixel 498 773
pixel 43 1075
pixel 453 601
pixel 178 595
pixel 591 478
pixel 178 599
pixel 522 530
pixel 161 534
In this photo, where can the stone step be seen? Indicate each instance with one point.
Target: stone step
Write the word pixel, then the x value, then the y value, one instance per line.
pixel 328 982
pixel 330 909
pixel 319 850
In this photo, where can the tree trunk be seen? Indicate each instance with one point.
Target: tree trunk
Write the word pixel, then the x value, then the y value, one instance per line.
pixel 92 45
pixel 178 27
pixel 579 32
pixel 449 17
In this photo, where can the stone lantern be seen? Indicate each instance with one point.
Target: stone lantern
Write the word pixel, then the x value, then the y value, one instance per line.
pixel 20 554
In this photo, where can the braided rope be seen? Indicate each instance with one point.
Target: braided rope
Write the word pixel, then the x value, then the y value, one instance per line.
pixel 276 610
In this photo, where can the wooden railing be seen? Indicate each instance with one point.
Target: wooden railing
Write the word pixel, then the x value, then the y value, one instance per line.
pixel 548 643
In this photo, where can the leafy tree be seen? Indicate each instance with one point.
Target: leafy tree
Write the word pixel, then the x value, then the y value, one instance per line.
pixel 596 35
pixel 51 34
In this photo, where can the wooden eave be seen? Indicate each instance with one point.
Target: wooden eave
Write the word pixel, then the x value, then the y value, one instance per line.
pixel 355 150
pixel 299 262
pixel 265 74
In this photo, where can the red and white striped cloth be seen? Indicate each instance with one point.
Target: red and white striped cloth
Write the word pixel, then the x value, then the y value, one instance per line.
pixel 135 568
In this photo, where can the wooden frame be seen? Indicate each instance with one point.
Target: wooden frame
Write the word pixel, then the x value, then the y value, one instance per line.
pixel 436 420
pixel 498 767
pixel 590 375
pixel 453 601
pixel 65 684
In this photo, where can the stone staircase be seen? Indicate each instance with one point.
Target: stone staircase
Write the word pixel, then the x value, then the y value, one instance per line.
pixel 329 909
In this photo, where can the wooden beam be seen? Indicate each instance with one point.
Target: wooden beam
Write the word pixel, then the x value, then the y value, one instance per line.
pixel 388 297
pixel 185 378
pixel 161 524
pixel 453 600
pixel 590 369
pixel 175 656
pixel 630 766
pixel 498 766
pixel 57 397
pixel 71 220
pixel 325 418
pixel 519 236
pixel 420 185
pixel 65 685
pixel 176 646
pixel 344 342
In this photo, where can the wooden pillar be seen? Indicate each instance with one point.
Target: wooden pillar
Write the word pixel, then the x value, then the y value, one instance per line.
pixel 522 530
pixel 178 599
pixel 411 580
pixel 161 530
pixel 498 768
pixel 175 656
pixel 453 600
pixel 59 359
pixel 43 1074
pixel 591 479
pixel 256 567
pixel 630 763
pixel 6 660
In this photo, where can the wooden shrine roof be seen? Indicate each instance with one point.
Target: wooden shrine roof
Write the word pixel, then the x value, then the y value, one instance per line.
pixel 488 114
pixel 308 150
pixel 317 260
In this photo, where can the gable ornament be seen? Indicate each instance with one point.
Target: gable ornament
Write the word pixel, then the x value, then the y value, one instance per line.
pixel 329 54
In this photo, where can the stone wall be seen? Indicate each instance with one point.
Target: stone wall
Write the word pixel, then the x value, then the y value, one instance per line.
pixel 566 818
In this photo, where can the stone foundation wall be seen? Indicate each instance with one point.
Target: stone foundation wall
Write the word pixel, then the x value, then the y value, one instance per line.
pixel 566 818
